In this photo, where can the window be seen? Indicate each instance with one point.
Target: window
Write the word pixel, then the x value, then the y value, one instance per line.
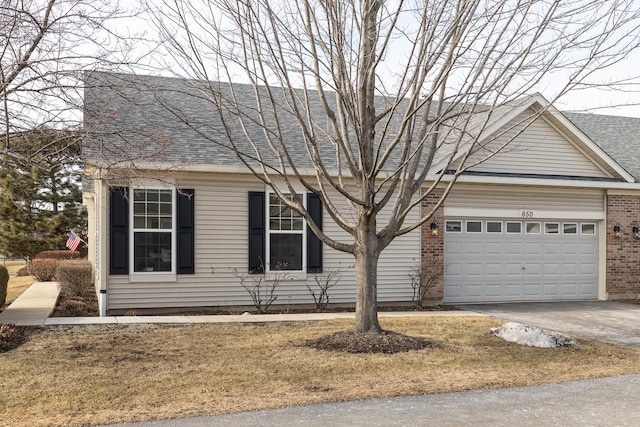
pixel 569 228
pixel 494 227
pixel 453 226
pixel 514 227
pixel 551 228
pixel 286 236
pixel 474 226
pixel 533 228
pixel 588 229
pixel 153 222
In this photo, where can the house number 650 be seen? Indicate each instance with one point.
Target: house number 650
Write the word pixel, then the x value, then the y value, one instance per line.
pixel 526 214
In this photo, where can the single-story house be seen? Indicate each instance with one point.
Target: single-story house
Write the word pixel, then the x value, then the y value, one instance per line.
pixel 178 221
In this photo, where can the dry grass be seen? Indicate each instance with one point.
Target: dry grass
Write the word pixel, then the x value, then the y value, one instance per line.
pixel 17 285
pixel 103 374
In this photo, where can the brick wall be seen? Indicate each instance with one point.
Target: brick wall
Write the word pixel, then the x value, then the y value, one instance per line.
pixel 432 247
pixel 623 254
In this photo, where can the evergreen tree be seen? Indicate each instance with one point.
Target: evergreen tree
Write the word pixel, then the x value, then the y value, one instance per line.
pixel 40 195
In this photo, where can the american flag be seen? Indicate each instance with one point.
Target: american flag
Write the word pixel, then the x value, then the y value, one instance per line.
pixel 73 242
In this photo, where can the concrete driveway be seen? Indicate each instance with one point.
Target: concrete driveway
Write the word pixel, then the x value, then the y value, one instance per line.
pixel 609 321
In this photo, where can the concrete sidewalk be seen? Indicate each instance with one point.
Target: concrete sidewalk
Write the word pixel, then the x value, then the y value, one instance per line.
pixel 33 306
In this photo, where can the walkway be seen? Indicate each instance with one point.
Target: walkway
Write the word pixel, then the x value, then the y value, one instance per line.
pixel 33 306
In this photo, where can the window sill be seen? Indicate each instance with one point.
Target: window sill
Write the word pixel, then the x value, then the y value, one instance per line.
pixel 152 277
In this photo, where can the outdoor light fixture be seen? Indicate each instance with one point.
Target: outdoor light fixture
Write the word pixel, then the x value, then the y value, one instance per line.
pixel 636 232
pixel 434 229
pixel 617 231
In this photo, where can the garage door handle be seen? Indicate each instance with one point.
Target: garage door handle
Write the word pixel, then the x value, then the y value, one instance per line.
pixel 523 268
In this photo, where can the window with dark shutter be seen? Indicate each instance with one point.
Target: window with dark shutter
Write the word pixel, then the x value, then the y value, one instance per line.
pixel 118 230
pixel 257 231
pixel 314 245
pixel 281 232
pixel 186 238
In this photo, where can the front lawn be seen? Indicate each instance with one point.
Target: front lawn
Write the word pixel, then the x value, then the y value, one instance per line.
pixel 84 375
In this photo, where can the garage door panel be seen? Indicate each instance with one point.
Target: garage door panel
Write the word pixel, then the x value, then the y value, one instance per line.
pixel 513 269
pixel 552 248
pixel 513 248
pixel 474 248
pixel 532 290
pixel 587 269
pixel 493 291
pixel 569 289
pixel 589 249
pixel 513 290
pixel 532 269
pixel 493 248
pixel 551 268
pixel 472 270
pixel 533 248
pixel 493 267
pixel 474 290
pixel 551 289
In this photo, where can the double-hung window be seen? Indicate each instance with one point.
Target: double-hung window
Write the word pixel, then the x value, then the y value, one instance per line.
pixel 286 236
pixel 153 223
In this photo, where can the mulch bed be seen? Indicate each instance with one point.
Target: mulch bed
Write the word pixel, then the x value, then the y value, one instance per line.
pixel 387 342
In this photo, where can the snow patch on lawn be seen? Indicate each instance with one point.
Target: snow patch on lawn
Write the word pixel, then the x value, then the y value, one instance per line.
pixel 532 336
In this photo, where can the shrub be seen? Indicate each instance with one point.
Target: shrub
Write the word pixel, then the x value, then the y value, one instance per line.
pixel 4 281
pixel 75 305
pixel 75 277
pixel 11 336
pixel 66 254
pixel 24 271
pixel 44 269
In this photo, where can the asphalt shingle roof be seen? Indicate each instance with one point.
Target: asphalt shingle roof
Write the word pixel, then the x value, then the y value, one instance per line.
pixel 618 136
pixel 173 121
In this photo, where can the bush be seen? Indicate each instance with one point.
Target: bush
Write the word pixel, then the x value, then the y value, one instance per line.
pixel 24 271
pixel 75 277
pixel 44 269
pixel 66 254
pixel 4 281
pixel 11 336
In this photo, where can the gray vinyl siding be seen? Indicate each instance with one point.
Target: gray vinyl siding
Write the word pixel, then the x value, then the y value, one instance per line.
pixel 221 245
pixel 501 197
pixel 539 149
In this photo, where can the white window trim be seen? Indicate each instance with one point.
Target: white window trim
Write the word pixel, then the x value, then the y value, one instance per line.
pixel 473 221
pixel 453 221
pixel 486 227
pixel 506 227
pixel 595 228
pixel 558 224
pixel 149 276
pixel 269 232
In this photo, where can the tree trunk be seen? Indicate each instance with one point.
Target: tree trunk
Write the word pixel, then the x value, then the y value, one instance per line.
pixel 367 255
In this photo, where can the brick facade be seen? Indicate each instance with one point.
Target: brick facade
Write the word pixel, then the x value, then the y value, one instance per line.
pixel 623 253
pixel 432 249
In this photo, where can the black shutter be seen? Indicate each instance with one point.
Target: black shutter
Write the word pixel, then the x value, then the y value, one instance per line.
pixel 118 230
pixel 186 238
pixel 257 228
pixel 314 245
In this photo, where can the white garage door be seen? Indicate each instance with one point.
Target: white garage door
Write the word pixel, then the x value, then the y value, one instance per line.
pixel 493 261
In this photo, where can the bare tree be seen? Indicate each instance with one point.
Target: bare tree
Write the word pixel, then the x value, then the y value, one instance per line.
pixel 406 89
pixel 44 48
